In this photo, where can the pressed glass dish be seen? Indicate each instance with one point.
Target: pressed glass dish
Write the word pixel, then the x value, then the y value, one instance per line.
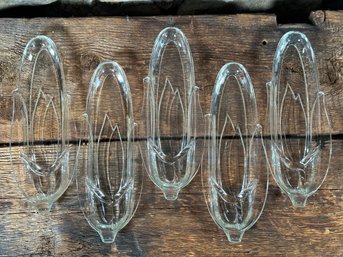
pixel 172 114
pixel 235 170
pixel 109 185
pixel 39 126
pixel 299 123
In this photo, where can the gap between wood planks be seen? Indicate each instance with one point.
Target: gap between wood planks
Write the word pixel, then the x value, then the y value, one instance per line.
pixel 140 139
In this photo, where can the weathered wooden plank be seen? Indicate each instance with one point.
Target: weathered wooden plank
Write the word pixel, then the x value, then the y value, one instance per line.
pixel 183 227
pixel 84 43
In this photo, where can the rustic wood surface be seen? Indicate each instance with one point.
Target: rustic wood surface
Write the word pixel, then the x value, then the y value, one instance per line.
pixel 183 227
pixel 84 43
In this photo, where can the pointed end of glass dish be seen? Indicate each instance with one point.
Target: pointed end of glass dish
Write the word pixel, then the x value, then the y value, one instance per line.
pixel 43 207
pixel 171 194
pixel 298 201
pixel 234 236
pixel 146 81
pixel 108 236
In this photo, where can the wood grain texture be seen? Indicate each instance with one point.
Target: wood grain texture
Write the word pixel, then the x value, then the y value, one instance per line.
pixel 248 39
pixel 180 228
pixel 183 227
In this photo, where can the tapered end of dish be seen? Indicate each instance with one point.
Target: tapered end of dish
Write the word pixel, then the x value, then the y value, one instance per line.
pixel 43 206
pixel 234 235
pixel 171 195
pixel 298 201
pixel 108 236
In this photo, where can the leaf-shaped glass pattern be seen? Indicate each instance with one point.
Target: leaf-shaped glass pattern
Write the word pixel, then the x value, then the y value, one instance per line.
pixel 235 170
pixel 39 140
pixel 299 124
pixel 172 114
pixel 108 184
